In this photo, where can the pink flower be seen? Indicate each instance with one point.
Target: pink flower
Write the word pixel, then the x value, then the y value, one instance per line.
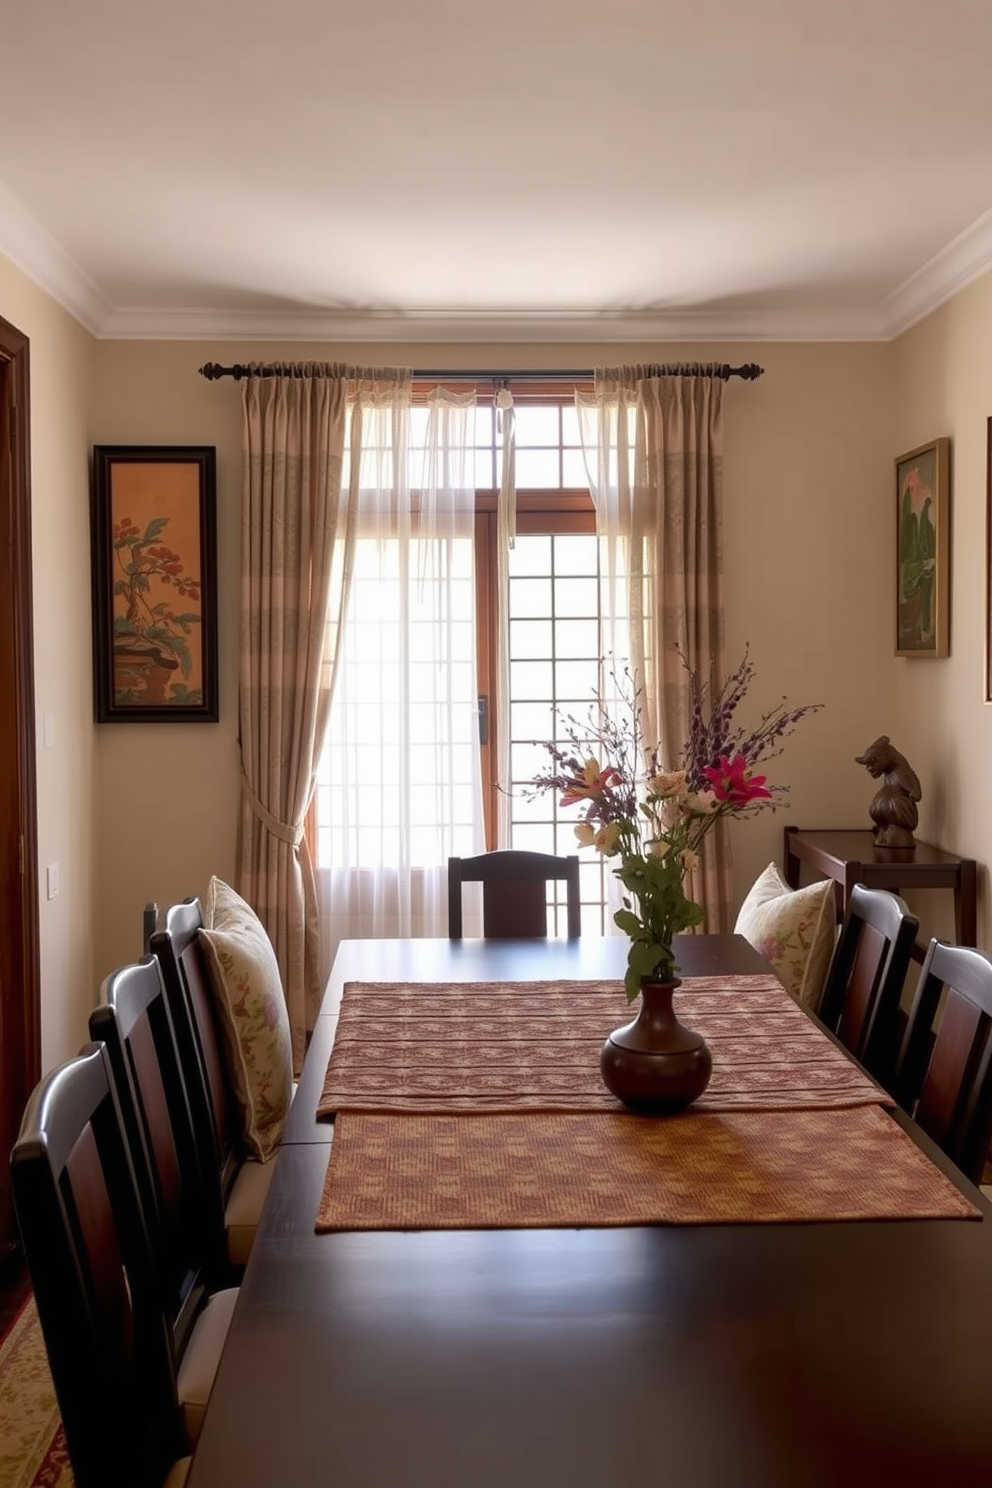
pixel 734 784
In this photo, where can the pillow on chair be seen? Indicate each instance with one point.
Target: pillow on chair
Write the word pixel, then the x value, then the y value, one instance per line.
pixel 244 976
pixel 794 929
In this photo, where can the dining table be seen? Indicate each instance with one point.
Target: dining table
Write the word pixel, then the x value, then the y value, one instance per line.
pixel 395 1342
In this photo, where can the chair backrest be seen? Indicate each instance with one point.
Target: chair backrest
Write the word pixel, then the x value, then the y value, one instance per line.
pixel 149 924
pixel 514 892
pixel 864 982
pixel 91 1271
pixel 185 974
pixel 945 1065
pixel 185 1225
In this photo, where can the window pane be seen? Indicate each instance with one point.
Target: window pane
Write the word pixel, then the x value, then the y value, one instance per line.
pixel 533 424
pixel 532 720
pixel 531 639
pixel 530 680
pixel 530 597
pixel 577 553
pixel 526 761
pixel 576 682
pixel 537 809
pixel 575 638
pixel 527 838
pixel 538 470
pixel 531 554
pixel 570 425
pixel 485 479
pixel 574 475
pixel 576 597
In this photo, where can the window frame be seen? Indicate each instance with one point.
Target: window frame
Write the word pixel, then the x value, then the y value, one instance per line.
pixel 550 510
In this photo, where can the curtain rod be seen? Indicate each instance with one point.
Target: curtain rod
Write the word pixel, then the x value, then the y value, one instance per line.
pixel 213 371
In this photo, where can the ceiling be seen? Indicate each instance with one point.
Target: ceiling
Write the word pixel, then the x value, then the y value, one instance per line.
pixel 550 170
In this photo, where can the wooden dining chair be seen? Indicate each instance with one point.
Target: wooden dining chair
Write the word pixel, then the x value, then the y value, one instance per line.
pixel 149 924
pixel 514 892
pixel 185 1225
pixel 92 1275
pixel 865 978
pixel 239 1187
pixel 944 1073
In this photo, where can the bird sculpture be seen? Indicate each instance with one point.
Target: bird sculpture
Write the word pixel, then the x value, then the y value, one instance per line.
pixel 893 807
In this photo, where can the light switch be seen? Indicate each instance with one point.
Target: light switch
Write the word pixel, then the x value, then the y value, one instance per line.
pixel 53 880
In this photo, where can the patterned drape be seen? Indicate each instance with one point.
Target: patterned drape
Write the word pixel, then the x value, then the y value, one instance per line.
pixel 654 451
pixel 298 532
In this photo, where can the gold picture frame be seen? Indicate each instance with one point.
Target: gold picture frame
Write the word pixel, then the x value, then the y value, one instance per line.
pixel 923 550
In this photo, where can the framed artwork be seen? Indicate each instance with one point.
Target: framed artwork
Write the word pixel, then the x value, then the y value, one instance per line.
pixel 154 538
pixel 923 550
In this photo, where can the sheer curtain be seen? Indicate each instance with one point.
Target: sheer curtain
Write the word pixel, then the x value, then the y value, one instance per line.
pixel 399 783
pixel 654 455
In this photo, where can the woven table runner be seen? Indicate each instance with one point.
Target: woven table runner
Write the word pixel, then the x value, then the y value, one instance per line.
pixel 534 1046
pixel 552 1170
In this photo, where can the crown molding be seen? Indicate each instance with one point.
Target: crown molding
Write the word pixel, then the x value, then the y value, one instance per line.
pixel 34 250
pixel 964 259
pixel 475 326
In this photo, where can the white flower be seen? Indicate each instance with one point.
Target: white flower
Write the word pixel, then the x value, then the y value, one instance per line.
pixel 666 783
pixel 607 839
pixel 690 859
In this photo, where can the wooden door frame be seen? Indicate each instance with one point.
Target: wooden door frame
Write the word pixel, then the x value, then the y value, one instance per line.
pixel 20 975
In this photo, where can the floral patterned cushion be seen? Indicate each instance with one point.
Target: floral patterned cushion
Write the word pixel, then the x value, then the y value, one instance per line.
pixel 794 929
pixel 244 976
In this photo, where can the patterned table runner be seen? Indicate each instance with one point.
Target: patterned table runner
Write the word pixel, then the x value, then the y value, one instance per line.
pixel 534 1046
pixel 405 1172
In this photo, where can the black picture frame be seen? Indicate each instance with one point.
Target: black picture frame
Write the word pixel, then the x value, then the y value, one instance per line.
pixel 154 550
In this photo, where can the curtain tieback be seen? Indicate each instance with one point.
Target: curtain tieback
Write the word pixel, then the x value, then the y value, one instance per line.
pixel 285 833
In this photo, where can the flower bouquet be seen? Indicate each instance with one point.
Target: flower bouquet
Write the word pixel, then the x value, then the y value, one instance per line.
pixel 652 819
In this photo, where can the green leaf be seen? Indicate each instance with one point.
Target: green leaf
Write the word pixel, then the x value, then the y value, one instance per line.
pixel 628 922
pixel 155 528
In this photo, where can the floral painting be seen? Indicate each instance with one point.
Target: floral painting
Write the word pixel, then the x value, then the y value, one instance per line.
pixel 154 583
pixel 921 551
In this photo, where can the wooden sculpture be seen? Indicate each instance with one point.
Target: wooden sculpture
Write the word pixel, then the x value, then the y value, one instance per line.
pixel 893 807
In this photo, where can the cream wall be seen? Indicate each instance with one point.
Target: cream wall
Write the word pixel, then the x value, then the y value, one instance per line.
pixel 61 356
pixel 942 385
pixel 133 812
pixel 807 463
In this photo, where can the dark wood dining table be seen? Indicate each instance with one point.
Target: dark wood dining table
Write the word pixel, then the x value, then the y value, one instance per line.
pixel 775 1355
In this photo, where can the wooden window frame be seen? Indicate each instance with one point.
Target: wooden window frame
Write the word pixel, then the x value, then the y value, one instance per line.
pixel 552 510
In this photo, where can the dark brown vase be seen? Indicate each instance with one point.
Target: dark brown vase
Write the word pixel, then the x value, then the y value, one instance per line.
pixel 653 1064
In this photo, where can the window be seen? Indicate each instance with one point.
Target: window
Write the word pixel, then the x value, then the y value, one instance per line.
pixel 555 645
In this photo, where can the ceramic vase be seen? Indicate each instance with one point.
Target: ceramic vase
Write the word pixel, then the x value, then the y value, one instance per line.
pixel 653 1064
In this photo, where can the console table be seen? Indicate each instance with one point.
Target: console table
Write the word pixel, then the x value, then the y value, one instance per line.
pixel 851 857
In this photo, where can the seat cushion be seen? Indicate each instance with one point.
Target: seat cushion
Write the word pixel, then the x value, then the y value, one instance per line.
pixel 198 1365
pixel 245 981
pixel 244 1208
pixel 794 929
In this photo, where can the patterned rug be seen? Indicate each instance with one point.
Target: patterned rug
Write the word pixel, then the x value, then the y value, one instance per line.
pixel 32 1444
pixel 534 1046
pixel 402 1172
